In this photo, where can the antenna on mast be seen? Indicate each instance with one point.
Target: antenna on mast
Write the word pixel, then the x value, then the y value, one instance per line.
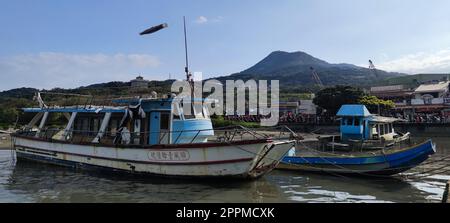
pixel 186 68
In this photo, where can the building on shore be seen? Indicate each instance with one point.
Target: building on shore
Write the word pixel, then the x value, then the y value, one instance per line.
pixel 307 107
pixel 139 82
pixel 431 97
pixel 430 100
pixel 289 107
pixel 399 94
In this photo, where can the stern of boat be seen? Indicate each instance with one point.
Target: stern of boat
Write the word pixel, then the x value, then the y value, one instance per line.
pixel 269 157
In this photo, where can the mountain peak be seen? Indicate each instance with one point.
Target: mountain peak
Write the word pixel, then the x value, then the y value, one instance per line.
pixel 278 60
pixel 294 69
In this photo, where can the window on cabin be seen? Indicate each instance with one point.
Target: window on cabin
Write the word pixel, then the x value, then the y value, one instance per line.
pixel 374 130
pixel 381 129
pixel 176 111
pixel 188 110
pixel 85 125
pixel 349 121
pixel 164 121
pixel 95 125
pixel 391 129
pixel 81 126
pixel 386 129
pixel 356 122
pixel 205 112
pixel 198 110
pixel 113 126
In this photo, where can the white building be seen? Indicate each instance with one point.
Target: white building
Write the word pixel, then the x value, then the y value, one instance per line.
pixel 139 82
pixel 432 94
pixel 307 107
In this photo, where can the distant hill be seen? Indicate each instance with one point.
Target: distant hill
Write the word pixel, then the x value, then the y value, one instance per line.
pixel 293 70
pixel 18 93
pixel 114 88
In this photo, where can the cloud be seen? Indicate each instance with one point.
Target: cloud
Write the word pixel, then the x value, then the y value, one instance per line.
pixel 421 62
pixel 204 19
pixel 201 20
pixel 217 19
pixel 50 69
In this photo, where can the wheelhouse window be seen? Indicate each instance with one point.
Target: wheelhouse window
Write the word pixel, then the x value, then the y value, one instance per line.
pixel 206 112
pixel 197 111
pixel 356 122
pixel 176 111
pixel 350 121
pixel 188 110
pixel 164 121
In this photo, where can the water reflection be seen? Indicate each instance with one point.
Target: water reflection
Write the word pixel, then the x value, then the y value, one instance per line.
pixel 326 188
pixel 45 183
pixel 31 182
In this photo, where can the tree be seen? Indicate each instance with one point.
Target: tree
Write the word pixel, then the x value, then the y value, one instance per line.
pixel 8 116
pixel 375 104
pixel 333 98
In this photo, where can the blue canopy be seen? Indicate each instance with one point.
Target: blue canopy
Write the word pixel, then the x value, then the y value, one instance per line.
pixel 354 110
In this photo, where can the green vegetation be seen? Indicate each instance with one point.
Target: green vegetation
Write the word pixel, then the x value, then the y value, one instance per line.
pixel 219 121
pixel 333 98
pixel 373 103
pixel 287 96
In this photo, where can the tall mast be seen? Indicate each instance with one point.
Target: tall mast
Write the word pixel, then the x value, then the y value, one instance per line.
pixel 186 68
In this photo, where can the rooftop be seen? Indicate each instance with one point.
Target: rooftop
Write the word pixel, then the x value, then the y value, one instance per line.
pixel 387 88
pixel 439 87
pixel 354 110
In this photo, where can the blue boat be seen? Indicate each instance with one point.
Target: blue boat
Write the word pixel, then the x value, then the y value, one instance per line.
pixel 367 145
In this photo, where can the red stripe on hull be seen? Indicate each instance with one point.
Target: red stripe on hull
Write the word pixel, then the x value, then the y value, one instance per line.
pixel 145 162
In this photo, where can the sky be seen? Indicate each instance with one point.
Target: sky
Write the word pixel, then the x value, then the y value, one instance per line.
pixel 54 43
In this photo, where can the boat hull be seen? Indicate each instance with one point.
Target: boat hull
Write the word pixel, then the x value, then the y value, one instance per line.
pixel 384 165
pixel 249 159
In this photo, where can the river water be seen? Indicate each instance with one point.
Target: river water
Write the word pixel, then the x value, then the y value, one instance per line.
pixel 32 182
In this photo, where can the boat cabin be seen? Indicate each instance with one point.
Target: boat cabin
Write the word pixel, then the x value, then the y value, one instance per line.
pixel 136 121
pixel 357 123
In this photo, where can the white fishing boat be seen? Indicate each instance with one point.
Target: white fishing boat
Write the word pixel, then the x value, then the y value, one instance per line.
pixel 147 136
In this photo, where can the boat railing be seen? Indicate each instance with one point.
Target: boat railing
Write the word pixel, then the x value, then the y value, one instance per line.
pixel 114 137
pixel 333 143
